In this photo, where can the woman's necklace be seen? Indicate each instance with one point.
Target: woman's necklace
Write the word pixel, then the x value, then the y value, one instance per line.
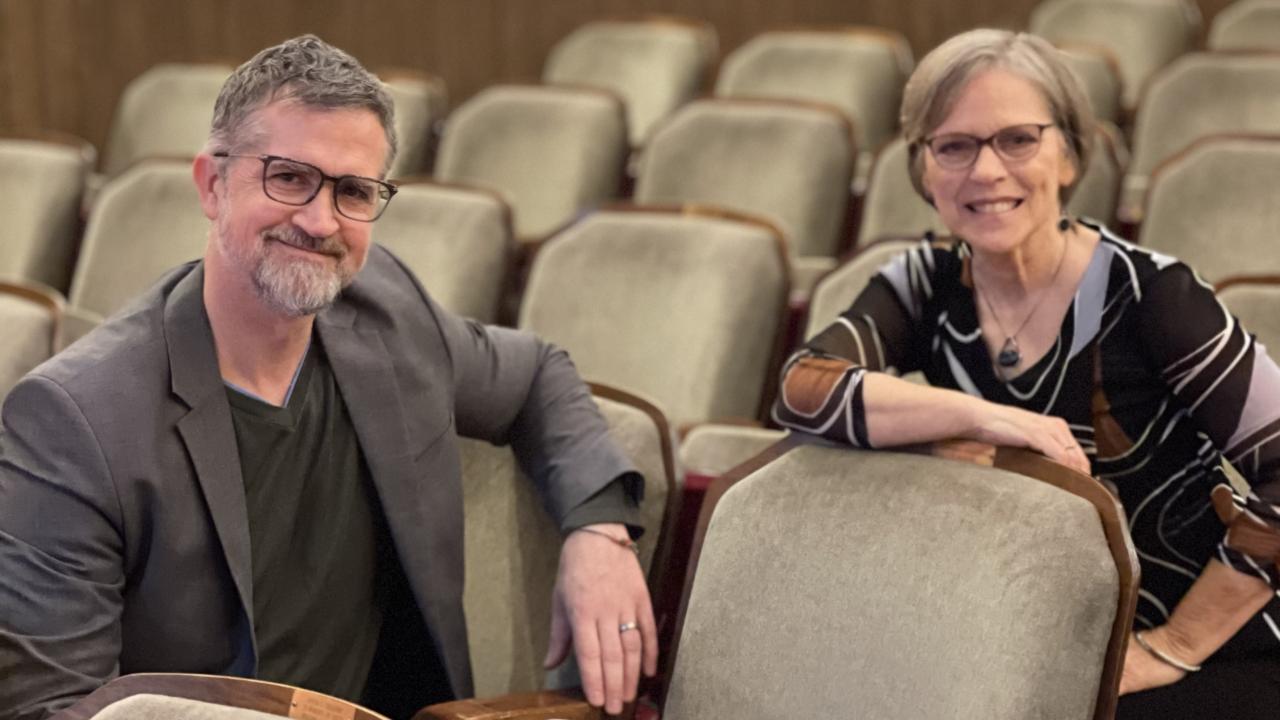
pixel 1010 354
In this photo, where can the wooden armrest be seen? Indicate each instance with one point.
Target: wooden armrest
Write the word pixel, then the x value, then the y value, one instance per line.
pixel 544 705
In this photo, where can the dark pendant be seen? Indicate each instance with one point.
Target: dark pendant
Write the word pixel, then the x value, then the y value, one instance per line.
pixel 1009 355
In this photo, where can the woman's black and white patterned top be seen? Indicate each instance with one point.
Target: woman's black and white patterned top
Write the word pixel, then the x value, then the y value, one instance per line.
pixel 1180 386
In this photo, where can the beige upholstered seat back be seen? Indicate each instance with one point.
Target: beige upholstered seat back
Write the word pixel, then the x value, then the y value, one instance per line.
pixel 164 112
pixel 513 546
pixel 551 152
pixel 713 449
pixel 1256 304
pixel 837 291
pixel 684 309
pixel 145 222
pixel 41 183
pixel 1145 35
pixel 860 71
pixel 1215 208
pixel 788 162
pixel 847 583
pixel 1201 94
pixel 892 207
pixel 655 66
pixel 1099 73
pixel 147 706
pixel 456 240
pixel 1246 25
pixel 421 102
pixel 29 316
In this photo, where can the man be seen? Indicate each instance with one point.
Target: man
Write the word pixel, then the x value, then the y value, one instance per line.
pixel 252 470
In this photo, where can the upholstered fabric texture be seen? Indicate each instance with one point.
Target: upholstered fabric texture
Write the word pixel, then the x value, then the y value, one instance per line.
pixel 861 74
pixel 838 290
pixel 1246 25
pixel 420 103
pixel 28 338
pixel 40 188
pixel 163 707
pixel 164 112
pixel 717 449
pixel 551 152
pixel 654 66
pixel 1257 307
pixel 892 207
pixel 1101 81
pixel 1144 36
pixel 842 583
pixel 146 222
pixel 789 164
pixel 513 549
pixel 1215 209
pixel 683 309
pixel 1201 94
pixel 456 241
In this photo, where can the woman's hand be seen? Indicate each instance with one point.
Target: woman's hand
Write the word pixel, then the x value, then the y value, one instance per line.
pixel 1144 671
pixel 1010 426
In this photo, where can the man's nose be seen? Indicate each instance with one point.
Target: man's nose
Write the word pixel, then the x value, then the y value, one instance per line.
pixel 318 218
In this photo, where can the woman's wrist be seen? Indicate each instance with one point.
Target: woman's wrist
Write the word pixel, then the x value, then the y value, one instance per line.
pixel 1169 646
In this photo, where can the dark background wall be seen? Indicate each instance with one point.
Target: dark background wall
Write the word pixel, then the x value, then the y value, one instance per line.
pixel 63 63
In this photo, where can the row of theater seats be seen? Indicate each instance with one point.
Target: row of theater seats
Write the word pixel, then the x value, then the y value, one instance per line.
pixel 764 628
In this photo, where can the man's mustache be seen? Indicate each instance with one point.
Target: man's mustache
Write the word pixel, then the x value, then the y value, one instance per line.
pixel 291 235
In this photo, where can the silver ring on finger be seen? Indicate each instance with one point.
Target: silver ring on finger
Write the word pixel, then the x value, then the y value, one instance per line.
pixel 627 626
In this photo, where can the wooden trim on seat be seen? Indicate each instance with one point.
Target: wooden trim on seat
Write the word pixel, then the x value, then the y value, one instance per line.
pixel 45 297
pixel 1241 280
pixel 543 705
pixel 259 695
pixel 1116 529
pixel 87 152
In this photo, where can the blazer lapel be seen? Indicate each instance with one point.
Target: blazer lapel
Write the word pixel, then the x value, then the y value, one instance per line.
pixel 207 428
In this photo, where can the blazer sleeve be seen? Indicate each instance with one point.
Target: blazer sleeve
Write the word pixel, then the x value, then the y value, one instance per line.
pixel 61 554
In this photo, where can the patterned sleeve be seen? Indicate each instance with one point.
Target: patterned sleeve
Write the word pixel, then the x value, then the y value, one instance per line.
pixel 822 381
pixel 1231 388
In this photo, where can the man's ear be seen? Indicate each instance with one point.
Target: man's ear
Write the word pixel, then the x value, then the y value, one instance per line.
pixel 205 172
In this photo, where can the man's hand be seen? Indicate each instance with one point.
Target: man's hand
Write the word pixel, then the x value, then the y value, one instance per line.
pixel 1144 671
pixel 599 589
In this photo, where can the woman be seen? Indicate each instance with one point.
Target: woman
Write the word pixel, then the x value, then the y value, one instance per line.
pixel 1050 333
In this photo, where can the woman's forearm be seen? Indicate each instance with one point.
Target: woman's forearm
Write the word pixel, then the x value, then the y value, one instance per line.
pixel 1218 604
pixel 899 412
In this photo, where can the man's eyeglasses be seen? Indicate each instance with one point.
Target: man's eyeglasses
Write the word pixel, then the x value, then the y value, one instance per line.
pixel 958 151
pixel 294 182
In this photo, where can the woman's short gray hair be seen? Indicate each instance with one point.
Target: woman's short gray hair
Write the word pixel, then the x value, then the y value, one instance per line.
pixel 935 85
pixel 306 70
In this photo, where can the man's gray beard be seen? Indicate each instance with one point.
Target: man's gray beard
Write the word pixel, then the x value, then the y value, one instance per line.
pixel 294 288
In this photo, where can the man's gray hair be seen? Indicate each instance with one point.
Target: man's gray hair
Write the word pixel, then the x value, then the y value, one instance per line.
pixel 306 70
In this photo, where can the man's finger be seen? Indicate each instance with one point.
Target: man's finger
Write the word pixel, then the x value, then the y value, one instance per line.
pixel 631 647
pixel 560 641
pixel 586 643
pixel 611 664
pixel 648 635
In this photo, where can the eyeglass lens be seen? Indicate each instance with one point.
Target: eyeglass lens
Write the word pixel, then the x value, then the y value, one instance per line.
pixel 297 183
pixel 958 150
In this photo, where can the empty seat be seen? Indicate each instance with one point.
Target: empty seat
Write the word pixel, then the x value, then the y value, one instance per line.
pixel 1145 35
pixel 513 546
pixel 681 307
pixel 860 71
pixel 1214 207
pixel 1199 95
pixel 893 208
pixel 788 162
pixel 30 315
pixel 712 450
pixel 837 291
pixel 456 240
pixel 551 152
pixel 1255 301
pixel 421 103
pixel 1099 73
pixel 42 180
pixel 144 223
pixel 655 65
pixel 1246 25
pixel 164 112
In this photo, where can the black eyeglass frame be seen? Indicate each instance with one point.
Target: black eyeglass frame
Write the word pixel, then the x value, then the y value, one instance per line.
pixel 390 189
pixel 984 141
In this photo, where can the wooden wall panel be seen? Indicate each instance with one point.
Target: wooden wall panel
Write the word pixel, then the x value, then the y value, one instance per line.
pixel 63 63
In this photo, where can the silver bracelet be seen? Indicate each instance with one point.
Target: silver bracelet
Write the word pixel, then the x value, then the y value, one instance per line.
pixel 1162 657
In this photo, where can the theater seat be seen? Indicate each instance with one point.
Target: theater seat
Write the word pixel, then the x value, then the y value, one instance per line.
pixel 421 103
pixel 1255 302
pixel 164 112
pixel 1246 25
pixel 30 315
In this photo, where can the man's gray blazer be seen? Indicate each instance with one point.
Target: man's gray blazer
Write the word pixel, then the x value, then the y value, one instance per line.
pixel 124 540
